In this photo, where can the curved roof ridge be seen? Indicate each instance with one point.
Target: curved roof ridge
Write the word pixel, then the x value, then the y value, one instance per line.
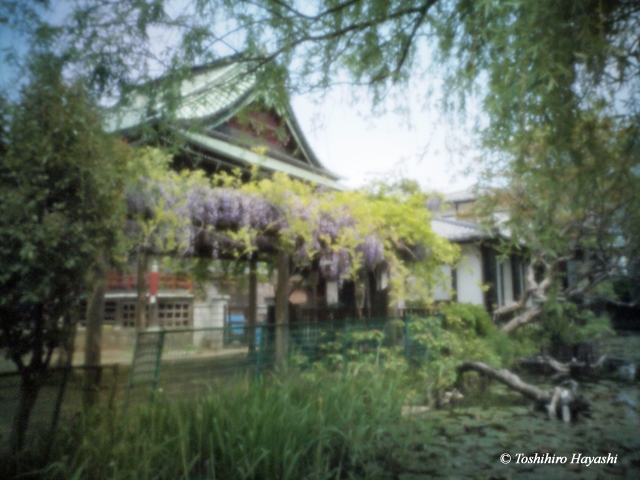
pixel 209 95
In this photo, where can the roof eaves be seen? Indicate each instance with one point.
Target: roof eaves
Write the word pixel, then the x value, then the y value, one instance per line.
pixel 462 232
pixel 460 196
pixel 277 155
pixel 221 116
pixel 461 223
pixel 302 141
pixel 248 156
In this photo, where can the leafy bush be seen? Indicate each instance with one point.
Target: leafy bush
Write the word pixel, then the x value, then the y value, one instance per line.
pixel 425 352
pixel 446 347
pixel 461 333
pixel 468 317
pixel 565 324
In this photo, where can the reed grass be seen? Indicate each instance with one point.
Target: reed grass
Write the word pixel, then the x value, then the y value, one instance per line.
pixel 287 426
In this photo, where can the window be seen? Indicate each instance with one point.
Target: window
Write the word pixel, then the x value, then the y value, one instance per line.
pixel 172 313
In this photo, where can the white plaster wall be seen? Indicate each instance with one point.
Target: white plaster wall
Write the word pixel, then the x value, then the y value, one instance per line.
pixel 332 293
pixel 507 281
pixel 442 290
pixel 265 290
pixel 209 314
pixel 469 276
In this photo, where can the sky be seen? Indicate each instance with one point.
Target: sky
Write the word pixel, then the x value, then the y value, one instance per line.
pixel 419 144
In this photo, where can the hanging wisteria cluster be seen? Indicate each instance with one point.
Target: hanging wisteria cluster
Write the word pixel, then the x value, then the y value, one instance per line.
pixel 218 211
pixel 144 199
pixel 227 208
pixel 372 251
pixel 142 196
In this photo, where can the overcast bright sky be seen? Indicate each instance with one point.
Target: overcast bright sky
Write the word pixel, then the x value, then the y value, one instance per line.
pixel 419 145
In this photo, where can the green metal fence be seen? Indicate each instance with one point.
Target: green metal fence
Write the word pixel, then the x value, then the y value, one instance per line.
pixel 187 361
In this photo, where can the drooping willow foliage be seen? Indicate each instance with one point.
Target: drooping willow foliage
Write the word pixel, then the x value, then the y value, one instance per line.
pixel 346 232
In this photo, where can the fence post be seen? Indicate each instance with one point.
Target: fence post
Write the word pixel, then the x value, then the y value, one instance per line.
pixel 345 360
pixel 156 370
pixel 407 337
pixel 260 356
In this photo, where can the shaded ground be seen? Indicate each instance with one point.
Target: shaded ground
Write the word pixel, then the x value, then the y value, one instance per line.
pixel 468 441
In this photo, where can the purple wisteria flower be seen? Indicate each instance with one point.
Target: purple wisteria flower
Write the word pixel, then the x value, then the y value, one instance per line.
pixel 212 211
pixel 229 208
pixel 372 251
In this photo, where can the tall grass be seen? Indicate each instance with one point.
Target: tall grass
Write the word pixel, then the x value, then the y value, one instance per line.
pixel 289 426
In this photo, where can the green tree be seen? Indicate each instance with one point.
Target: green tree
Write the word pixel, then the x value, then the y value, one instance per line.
pixel 546 73
pixel 60 208
pixel 578 218
pixel 516 46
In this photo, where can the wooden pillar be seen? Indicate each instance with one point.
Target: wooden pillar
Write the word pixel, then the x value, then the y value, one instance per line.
pixel 141 301
pixel 282 304
pixel 253 303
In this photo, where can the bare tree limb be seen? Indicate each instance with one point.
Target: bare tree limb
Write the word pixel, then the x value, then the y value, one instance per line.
pixel 510 307
pixel 526 317
pixel 509 379
pixel 407 42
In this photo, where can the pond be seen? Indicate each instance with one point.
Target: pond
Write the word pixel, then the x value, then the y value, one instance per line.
pixel 468 441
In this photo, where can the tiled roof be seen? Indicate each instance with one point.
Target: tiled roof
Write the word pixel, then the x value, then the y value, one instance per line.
pixel 209 93
pixel 466 195
pixel 211 96
pixel 458 231
pixel 214 91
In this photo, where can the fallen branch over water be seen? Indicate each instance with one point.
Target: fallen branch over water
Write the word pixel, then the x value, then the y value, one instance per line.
pixel 509 378
pixel 558 401
pixel 563 368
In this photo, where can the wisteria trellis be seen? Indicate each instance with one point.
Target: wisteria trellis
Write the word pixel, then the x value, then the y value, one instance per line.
pixel 346 232
pixel 209 209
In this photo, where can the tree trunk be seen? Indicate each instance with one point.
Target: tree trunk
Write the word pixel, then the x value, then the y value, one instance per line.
pixel 360 294
pixel 282 304
pixel 95 320
pixel 30 382
pixel 141 301
pixel 69 345
pixel 29 389
pixel 535 290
